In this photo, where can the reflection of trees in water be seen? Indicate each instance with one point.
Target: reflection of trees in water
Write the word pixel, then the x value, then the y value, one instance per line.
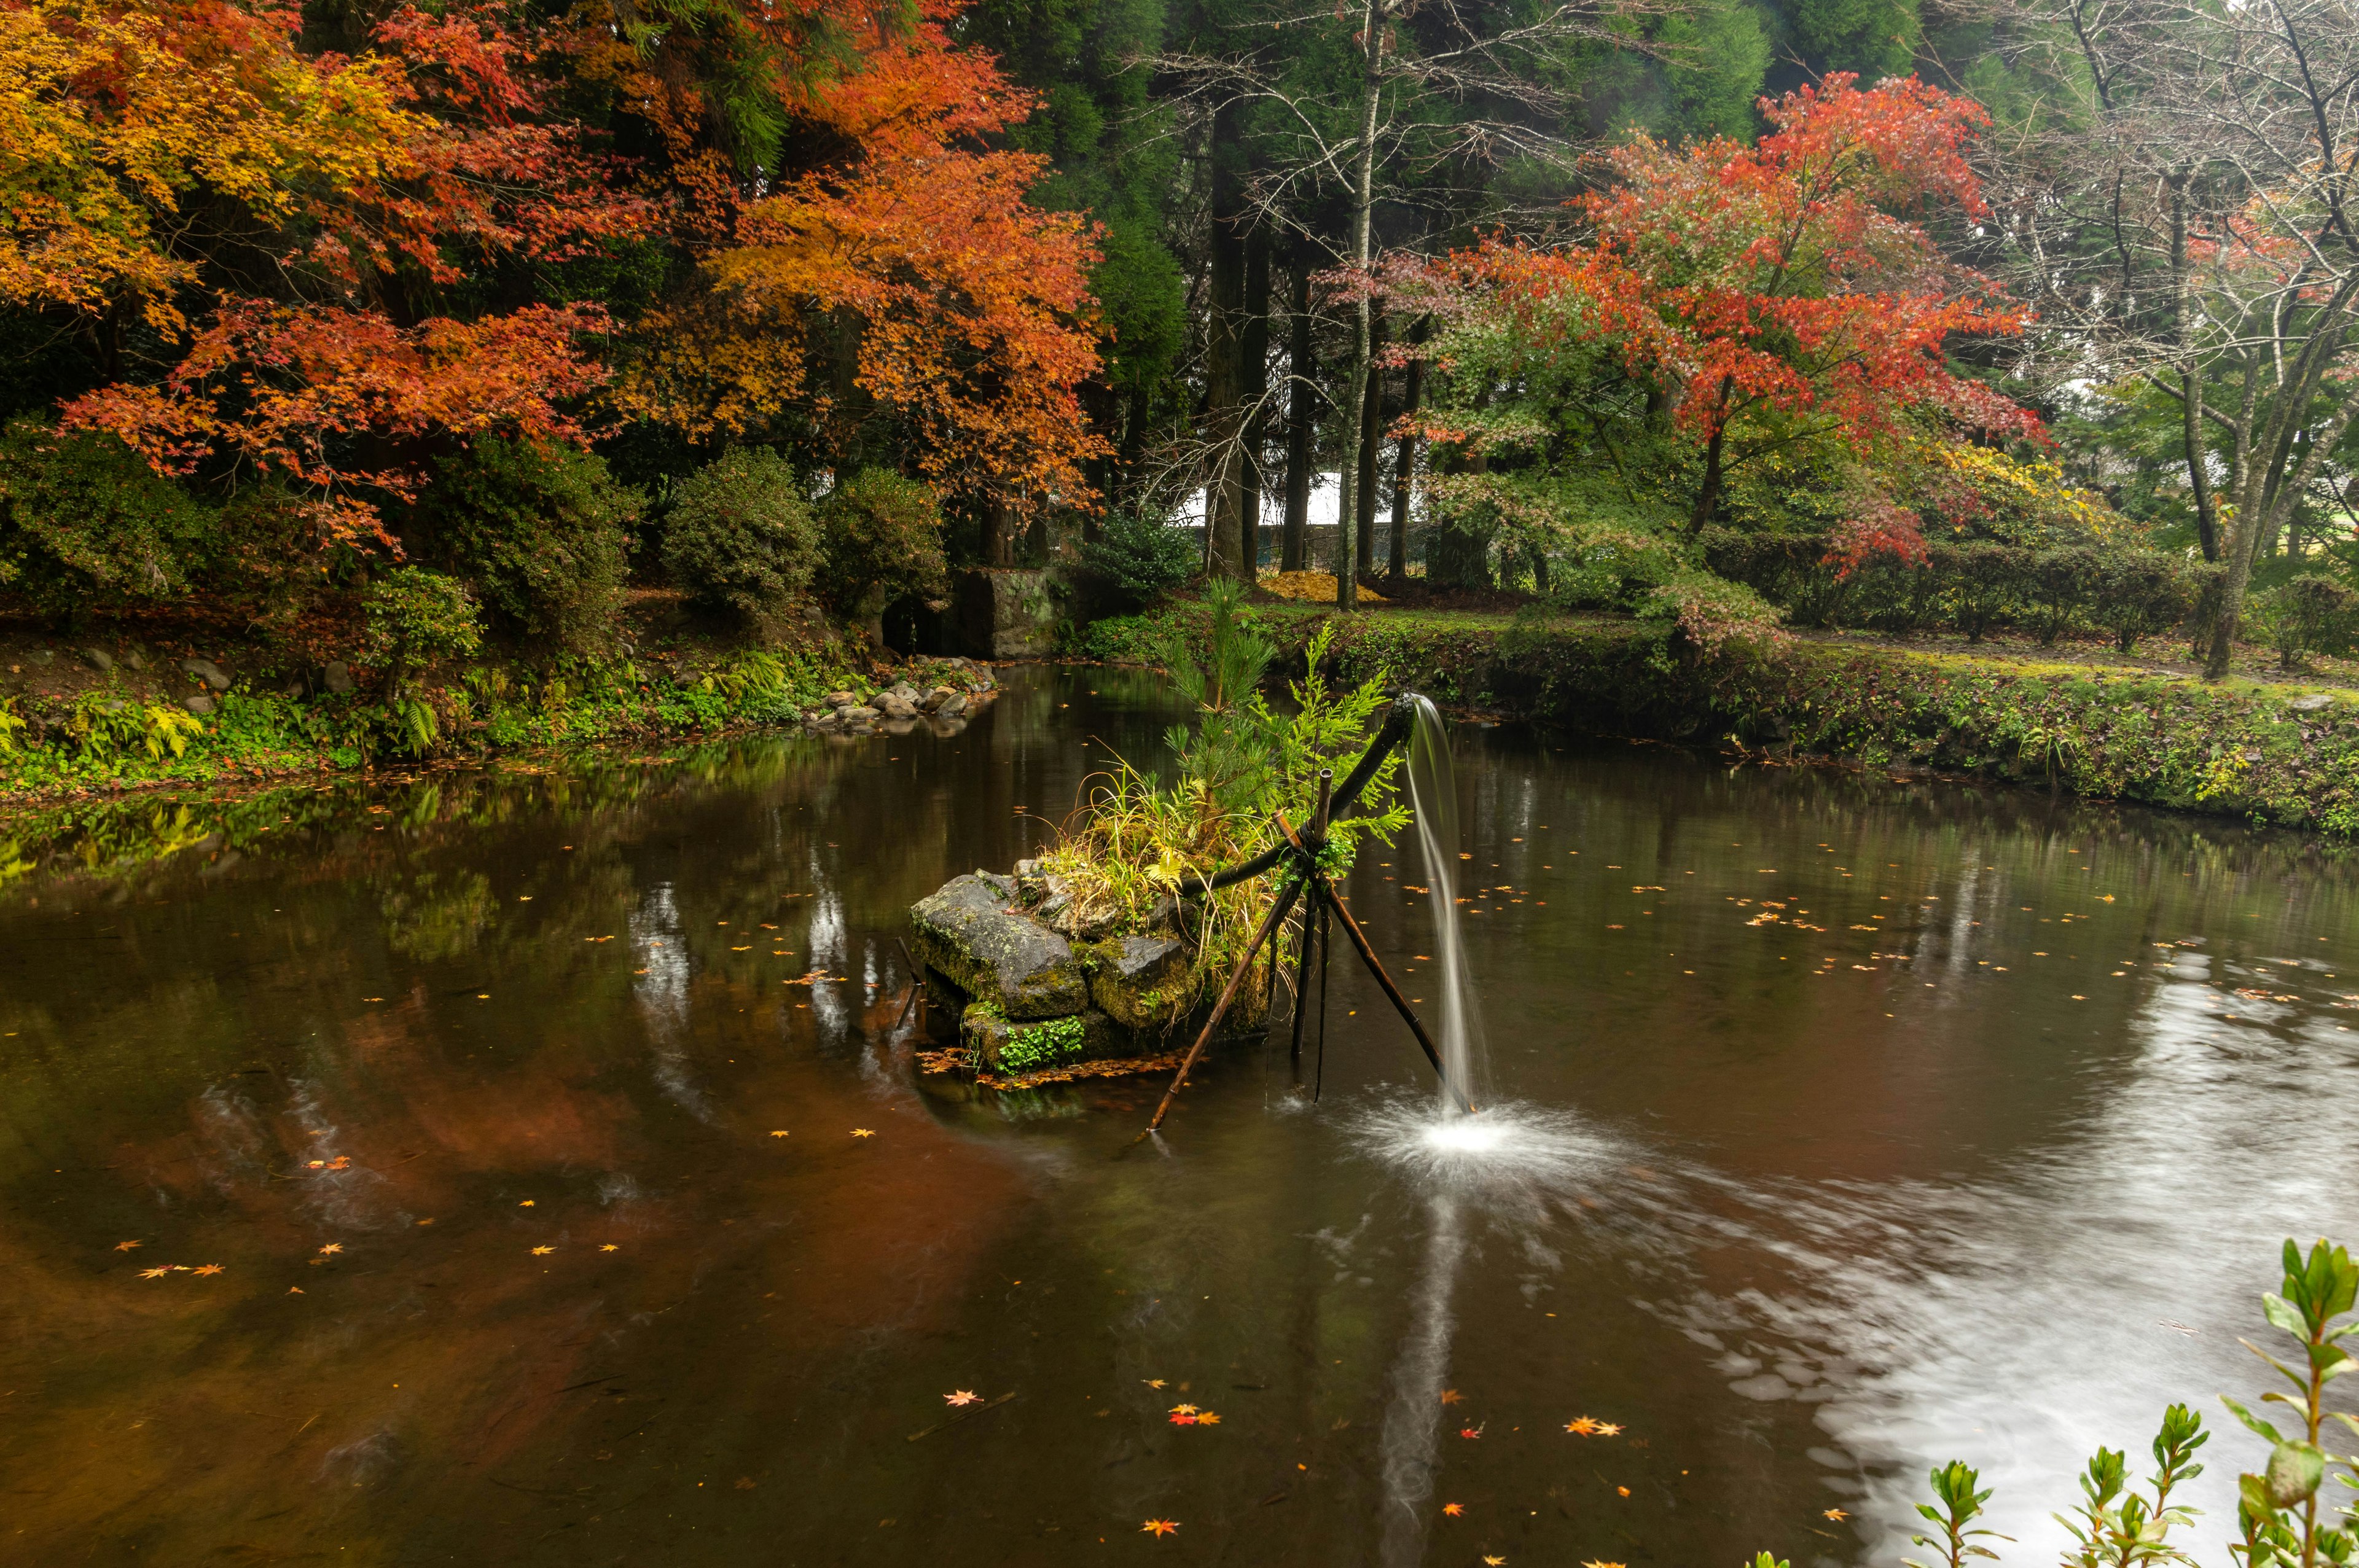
pixel 438 915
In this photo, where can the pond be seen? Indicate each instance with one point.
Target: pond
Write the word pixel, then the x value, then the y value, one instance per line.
pixel 530 1167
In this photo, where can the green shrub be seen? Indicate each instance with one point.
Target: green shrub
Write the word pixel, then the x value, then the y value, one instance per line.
pixel 1982 582
pixel 2140 593
pixel 740 536
pixel 85 523
pixel 2058 585
pixel 415 617
pixel 541 533
pixel 881 540
pixel 2306 615
pixel 1137 558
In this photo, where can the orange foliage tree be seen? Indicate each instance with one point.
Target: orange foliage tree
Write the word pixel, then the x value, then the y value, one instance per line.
pixel 270 247
pixel 908 284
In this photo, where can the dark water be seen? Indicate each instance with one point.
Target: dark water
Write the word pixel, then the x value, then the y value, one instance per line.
pixel 1801 1206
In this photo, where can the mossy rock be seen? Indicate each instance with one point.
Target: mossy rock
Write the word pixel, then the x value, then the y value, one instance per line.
pixel 971 932
pixel 1012 1046
pixel 1130 978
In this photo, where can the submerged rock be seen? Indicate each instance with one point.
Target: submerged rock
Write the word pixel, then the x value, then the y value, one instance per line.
pixel 969 932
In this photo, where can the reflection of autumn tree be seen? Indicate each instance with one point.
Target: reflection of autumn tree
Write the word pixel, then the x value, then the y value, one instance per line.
pixel 432 916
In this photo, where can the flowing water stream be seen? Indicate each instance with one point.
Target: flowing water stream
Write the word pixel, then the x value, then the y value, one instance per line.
pixel 529 1167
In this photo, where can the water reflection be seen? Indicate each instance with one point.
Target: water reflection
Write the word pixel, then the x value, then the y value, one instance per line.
pixel 1842 1128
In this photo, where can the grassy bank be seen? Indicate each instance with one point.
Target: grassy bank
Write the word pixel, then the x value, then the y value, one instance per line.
pixel 2274 752
pixel 109 711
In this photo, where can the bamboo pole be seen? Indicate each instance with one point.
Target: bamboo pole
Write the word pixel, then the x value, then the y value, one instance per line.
pixel 1270 922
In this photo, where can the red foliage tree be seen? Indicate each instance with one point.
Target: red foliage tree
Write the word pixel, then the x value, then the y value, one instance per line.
pixel 1779 292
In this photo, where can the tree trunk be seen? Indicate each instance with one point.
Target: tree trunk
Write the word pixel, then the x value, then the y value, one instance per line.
pixel 1707 499
pixel 1224 355
pixel 1405 468
pixel 2191 385
pixel 1255 392
pixel 995 532
pixel 1301 426
pixel 1457 557
pixel 2267 491
pixel 1363 180
pixel 1372 446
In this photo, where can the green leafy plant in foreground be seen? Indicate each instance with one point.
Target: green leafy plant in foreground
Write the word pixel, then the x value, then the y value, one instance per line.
pixel 2119 1525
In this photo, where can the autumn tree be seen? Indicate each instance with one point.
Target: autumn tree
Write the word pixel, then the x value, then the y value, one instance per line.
pixel 251 237
pixel 1736 305
pixel 906 295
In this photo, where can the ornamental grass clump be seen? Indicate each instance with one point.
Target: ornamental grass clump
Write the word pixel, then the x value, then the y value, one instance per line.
pixel 1138 854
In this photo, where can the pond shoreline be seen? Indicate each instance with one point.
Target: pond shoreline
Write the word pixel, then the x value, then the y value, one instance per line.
pixel 263 739
pixel 2282 755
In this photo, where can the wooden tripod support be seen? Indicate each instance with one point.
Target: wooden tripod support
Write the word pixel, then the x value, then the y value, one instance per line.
pixel 1299 853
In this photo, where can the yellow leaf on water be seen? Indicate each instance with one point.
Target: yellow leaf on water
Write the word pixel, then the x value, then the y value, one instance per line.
pixel 542 1252
pixel 1159 1526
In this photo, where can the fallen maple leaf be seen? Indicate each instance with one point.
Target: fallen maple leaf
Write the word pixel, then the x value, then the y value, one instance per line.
pixel 1453 1509
pixel 1159 1526
pixel 542 1252
pixel 963 1397
pixel 609 1247
pixel 155 1273
pixel 1495 1561
pixel 125 1246
pixel 1608 1429
pixel 294 1289
pixel 1183 1409
pixel 526 1203
pixel 427 1220
pixel 1623 1490
pixel 1152 1382
pixel 1582 1425
pixel 779 1135
pixel 206 1269
pixel 863 1132
pixel 1470 1431
pixel 1183 1420
pixel 1834 1514
pixel 331 1248
pixel 1208 1418
pixel 1601 1565
pixel 1450 1396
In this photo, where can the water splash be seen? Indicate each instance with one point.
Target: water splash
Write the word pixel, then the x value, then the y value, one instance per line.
pixel 1433 797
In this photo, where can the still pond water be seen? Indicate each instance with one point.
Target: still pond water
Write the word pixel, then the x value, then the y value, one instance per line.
pixel 523 1118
